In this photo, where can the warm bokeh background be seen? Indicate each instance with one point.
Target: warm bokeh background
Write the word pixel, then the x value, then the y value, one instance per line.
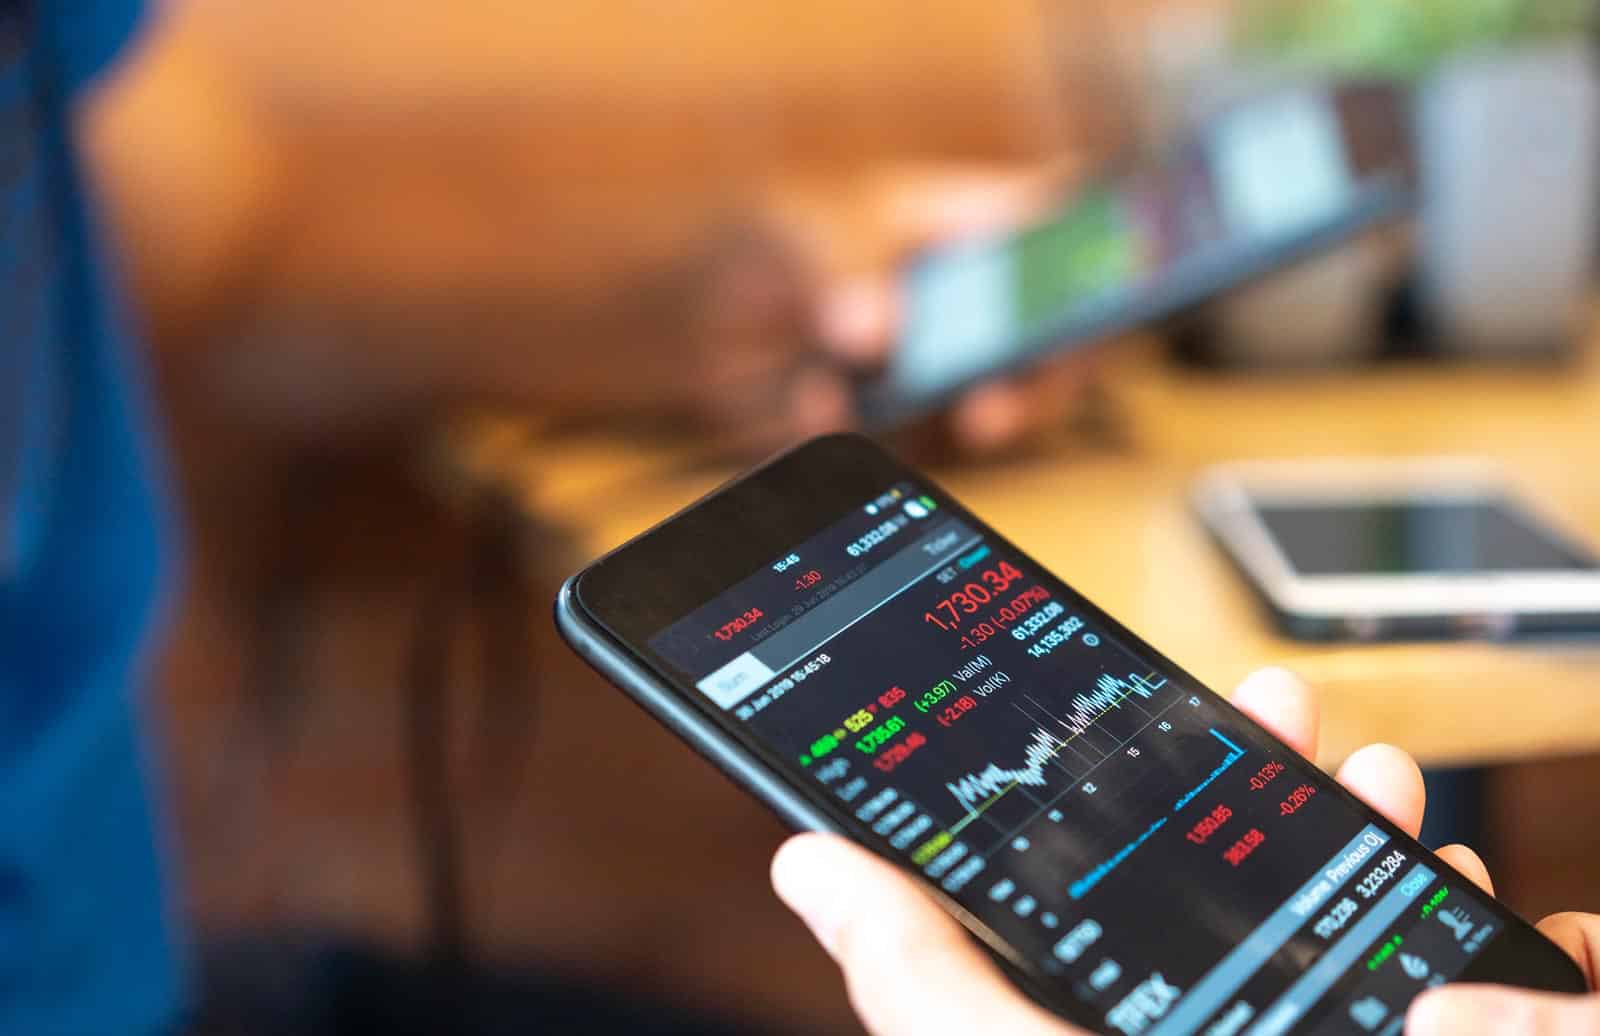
pixel 347 194
pixel 327 218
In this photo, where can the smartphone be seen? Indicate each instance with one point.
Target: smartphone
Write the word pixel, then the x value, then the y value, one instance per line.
pixel 1268 181
pixel 868 657
pixel 1371 549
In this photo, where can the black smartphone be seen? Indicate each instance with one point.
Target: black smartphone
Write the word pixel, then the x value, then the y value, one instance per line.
pixel 849 643
pixel 1267 182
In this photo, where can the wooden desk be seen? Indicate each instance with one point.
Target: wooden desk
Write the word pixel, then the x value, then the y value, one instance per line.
pixel 1114 522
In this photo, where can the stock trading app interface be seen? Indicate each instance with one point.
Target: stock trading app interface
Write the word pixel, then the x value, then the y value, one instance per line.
pixel 1120 830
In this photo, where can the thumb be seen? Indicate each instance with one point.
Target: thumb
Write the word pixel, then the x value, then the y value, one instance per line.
pixel 1467 1010
pixel 909 967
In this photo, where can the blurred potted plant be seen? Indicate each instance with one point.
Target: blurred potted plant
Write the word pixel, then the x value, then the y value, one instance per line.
pixel 1508 132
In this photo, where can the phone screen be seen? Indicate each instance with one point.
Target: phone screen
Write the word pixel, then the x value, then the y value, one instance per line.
pixel 1116 825
pixel 1215 211
pixel 1401 537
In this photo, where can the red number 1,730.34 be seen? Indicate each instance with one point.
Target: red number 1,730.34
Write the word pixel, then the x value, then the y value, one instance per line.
pixel 946 613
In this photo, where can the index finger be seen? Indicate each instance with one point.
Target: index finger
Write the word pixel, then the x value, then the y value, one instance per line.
pixel 1283 703
pixel 1381 775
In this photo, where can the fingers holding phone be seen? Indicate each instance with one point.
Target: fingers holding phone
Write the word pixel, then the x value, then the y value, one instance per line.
pixel 909 969
pixel 886 934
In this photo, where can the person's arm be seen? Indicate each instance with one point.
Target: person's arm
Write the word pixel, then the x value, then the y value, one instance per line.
pixel 189 173
pixel 911 970
pixel 601 245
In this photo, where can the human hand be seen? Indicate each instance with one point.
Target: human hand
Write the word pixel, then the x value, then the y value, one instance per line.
pixel 756 333
pixel 861 240
pixel 888 936
pixel 1467 1010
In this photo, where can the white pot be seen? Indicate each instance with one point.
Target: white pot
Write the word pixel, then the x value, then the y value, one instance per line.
pixel 1509 154
pixel 1326 311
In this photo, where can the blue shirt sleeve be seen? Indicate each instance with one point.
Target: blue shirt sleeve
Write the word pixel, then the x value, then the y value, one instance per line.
pixel 87 35
pixel 90 933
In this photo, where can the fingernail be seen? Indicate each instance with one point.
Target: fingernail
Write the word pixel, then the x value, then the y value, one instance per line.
pixel 1273 679
pixel 852 319
pixel 1458 1012
pixel 1429 1013
pixel 800 875
pixel 990 418
pixel 820 402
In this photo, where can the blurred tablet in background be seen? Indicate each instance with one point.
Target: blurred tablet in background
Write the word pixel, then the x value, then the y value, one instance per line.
pixel 1268 182
pixel 1395 550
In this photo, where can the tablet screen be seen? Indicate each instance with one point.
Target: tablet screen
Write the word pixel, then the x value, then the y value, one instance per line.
pixel 1422 537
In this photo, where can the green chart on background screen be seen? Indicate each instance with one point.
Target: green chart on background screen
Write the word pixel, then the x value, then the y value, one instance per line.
pixel 1091 248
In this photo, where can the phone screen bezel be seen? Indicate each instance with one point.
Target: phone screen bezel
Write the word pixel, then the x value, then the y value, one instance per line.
pixel 747 523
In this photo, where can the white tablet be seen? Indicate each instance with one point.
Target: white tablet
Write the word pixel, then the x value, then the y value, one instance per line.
pixel 1399 549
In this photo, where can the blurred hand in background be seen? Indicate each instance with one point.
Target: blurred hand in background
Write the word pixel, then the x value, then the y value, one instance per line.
pixel 590 228
pixel 864 247
pixel 760 334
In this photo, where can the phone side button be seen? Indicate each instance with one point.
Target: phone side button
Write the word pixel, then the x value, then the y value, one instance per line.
pixel 1487 627
pixel 1364 627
